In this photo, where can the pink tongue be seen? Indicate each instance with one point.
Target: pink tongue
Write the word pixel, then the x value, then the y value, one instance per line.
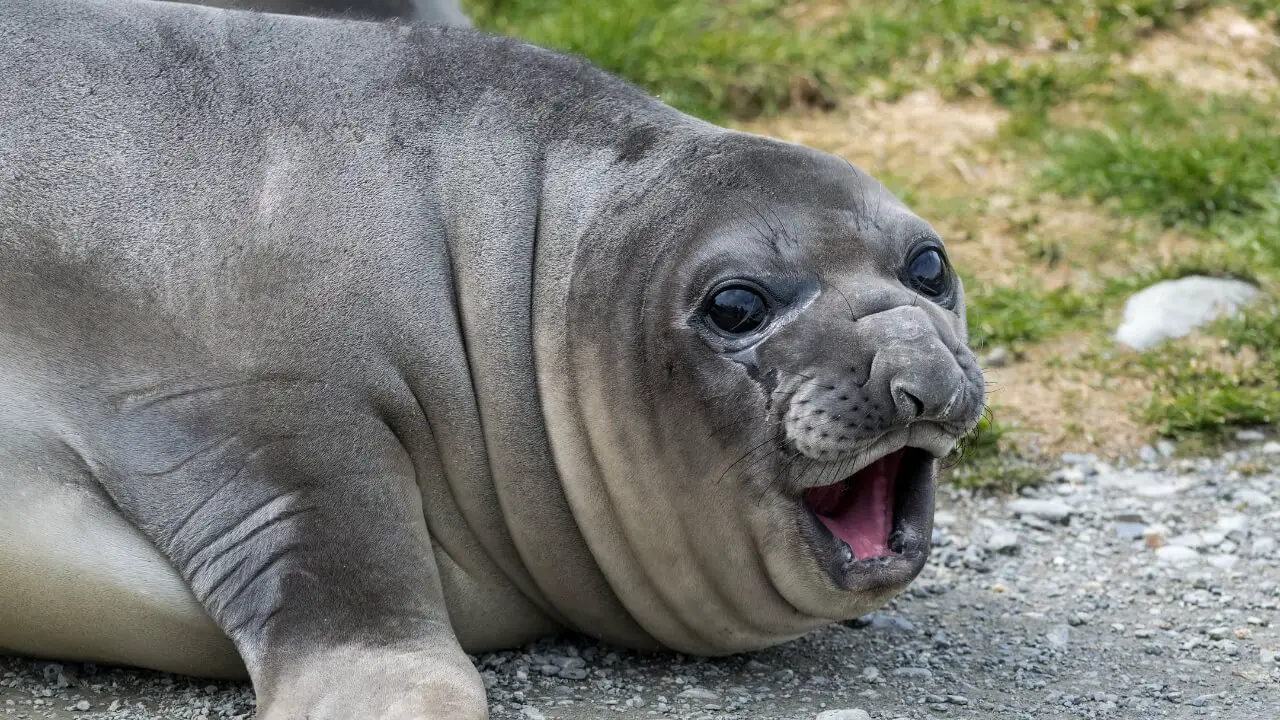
pixel 862 514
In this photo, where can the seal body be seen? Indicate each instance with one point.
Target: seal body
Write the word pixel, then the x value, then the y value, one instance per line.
pixel 435 12
pixel 330 366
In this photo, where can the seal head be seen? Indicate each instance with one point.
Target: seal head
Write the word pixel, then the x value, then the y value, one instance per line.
pixel 770 365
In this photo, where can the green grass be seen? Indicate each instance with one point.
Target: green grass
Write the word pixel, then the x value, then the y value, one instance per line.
pixel 1012 315
pixel 983 461
pixel 1195 396
pixel 1183 159
pixel 738 59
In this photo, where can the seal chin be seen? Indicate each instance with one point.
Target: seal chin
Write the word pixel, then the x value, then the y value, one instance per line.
pixel 871 529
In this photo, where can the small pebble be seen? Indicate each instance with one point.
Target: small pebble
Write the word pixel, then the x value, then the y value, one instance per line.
pixel 1177 555
pixel 854 714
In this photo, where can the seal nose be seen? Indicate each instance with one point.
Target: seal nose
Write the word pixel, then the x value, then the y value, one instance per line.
pixel 925 388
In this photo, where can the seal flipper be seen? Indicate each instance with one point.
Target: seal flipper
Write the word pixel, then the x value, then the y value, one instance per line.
pixel 297 522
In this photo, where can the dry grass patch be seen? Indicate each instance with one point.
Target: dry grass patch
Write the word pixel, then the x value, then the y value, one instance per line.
pixel 1052 401
pixel 1220 52
pixel 921 139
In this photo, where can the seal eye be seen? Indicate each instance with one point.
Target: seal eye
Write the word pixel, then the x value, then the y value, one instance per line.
pixel 737 310
pixel 928 273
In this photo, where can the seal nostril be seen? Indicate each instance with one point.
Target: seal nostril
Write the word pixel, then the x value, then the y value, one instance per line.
pixel 919 405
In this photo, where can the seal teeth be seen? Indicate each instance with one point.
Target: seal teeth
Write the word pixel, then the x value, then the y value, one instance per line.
pixel 846 552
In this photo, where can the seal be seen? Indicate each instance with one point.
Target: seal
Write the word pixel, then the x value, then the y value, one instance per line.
pixel 435 12
pixel 328 370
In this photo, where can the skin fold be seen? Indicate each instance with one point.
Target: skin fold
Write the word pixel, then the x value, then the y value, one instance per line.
pixel 332 350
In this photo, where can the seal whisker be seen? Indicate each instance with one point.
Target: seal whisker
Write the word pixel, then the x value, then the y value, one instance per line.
pixel 744 456
pixel 853 317
pixel 763 235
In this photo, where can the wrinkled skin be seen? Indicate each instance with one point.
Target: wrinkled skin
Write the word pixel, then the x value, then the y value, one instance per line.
pixel 328 368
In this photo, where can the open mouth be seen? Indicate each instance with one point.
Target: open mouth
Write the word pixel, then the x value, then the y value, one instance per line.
pixel 880 515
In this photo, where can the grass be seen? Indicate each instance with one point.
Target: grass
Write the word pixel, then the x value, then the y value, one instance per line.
pixel 1209 393
pixel 1164 158
pixel 1181 158
pixel 984 462
pixel 739 59
pixel 1020 313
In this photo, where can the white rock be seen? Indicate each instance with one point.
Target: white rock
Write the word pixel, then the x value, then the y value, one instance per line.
pixel 997 358
pixel 854 714
pixel 1213 538
pixel 1059 636
pixel 1051 510
pixel 1250 436
pixel 1176 555
pixel 1003 541
pixel 1252 498
pixel 1235 525
pixel 1262 547
pixel 1223 562
pixel 1145 484
pixel 532 713
pixel 701 694
pixel 1191 540
pixel 1173 308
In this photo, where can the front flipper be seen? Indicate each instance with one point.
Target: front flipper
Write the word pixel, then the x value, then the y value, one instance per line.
pixel 306 542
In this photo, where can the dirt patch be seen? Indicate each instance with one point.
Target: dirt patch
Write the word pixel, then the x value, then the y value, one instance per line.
pixel 920 138
pixel 1054 406
pixel 1220 52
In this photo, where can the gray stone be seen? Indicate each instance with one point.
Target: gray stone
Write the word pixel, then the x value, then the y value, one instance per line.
pixel 913 673
pixel 853 714
pixel 1058 636
pixel 997 358
pixel 1252 498
pixel 1177 555
pixel 1165 448
pixel 1271 448
pixel 1148 454
pixel 1003 541
pixel 699 694
pixel 1173 308
pixel 1146 484
pixel 1250 436
pixel 1262 547
pixel 1050 510
pixel 1235 525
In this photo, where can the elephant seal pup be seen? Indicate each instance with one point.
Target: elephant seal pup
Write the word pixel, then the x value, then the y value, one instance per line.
pixel 434 12
pixel 329 367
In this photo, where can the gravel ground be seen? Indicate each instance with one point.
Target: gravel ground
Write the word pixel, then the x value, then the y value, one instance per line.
pixel 1147 589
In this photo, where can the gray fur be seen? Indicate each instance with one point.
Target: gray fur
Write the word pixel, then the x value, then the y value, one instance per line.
pixel 432 12
pixel 273 306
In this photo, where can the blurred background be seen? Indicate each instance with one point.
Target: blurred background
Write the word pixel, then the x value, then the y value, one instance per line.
pixel 1071 153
